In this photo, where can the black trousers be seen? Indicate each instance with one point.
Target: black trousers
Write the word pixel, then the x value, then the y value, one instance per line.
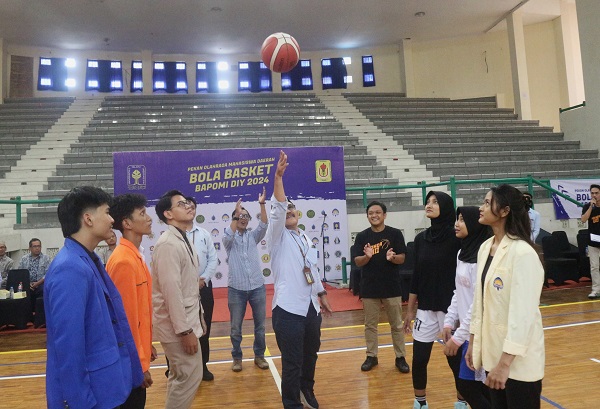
pixel 136 399
pixel 421 355
pixel 208 304
pixel 517 395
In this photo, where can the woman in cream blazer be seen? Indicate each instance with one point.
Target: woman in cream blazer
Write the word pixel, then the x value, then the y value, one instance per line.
pixel 507 337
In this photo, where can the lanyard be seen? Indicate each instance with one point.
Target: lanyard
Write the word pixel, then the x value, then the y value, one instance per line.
pixel 300 247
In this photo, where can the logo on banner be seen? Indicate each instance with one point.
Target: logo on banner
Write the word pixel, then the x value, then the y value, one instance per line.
pixel 323 170
pixel 136 177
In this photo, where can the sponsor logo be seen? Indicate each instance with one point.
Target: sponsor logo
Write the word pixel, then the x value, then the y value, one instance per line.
pixel 323 170
pixel 136 177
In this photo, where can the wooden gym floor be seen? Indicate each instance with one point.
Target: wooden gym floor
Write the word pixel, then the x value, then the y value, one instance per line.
pixel 571 321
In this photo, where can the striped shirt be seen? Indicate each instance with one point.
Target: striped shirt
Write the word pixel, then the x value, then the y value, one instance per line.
pixel 242 256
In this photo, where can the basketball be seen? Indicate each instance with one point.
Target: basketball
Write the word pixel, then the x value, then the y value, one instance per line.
pixel 280 52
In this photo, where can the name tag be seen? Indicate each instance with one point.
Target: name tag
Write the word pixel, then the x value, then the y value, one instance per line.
pixel 595 237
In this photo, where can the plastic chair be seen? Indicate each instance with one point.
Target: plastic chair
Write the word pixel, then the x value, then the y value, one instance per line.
pixel 557 267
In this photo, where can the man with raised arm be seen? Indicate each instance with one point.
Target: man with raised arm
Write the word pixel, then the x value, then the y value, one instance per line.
pixel 298 300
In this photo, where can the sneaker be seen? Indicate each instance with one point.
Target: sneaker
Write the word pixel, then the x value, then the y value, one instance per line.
pixel 261 363
pixel 369 363
pixel 207 375
pixel 460 405
pixel 237 365
pixel 593 295
pixel 402 365
pixel 307 397
pixel 417 405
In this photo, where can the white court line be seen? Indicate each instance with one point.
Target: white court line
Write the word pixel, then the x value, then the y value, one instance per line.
pixel 275 373
pixel 595 360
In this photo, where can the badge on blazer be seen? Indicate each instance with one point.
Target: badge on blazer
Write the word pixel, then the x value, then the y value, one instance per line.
pixel 498 283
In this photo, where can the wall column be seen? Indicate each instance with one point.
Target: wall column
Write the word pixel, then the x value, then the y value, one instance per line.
pixel 147 71
pixel 3 70
pixel 518 62
pixel 571 52
pixel 407 76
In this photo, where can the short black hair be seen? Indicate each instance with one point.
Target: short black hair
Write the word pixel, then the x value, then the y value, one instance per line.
pixel 243 208
pixel 32 240
pixel 376 203
pixel 123 207
pixel 192 199
pixel 594 185
pixel 164 203
pixel 77 201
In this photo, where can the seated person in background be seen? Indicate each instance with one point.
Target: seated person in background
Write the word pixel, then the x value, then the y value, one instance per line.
pixel 37 263
pixel 534 216
pixel 6 263
pixel 106 252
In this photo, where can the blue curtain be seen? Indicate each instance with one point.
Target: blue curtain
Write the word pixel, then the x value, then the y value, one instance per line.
pixel 333 72
pixel 368 71
pixel 170 78
pixel 52 74
pixel 206 77
pixel 104 76
pixel 137 80
pixel 254 77
pixel 299 78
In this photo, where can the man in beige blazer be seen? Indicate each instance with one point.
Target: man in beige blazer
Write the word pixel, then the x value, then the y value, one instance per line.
pixel 177 320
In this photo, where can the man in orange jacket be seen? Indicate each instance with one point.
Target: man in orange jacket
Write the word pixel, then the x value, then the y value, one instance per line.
pixel 128 270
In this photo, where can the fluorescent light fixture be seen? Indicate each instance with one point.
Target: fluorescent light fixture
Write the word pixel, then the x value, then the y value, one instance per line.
pixel 180 66
pixel 92 64
pixel 368 59
pixel 244 84
pixel 223 84
pixel 159 66
pixel 243 66
pixel 325 62
pixel 45 81
pixel 45 61
pixel 115 64
pixel 137 65
pixel 264 84
pixel 222 66
pixel 262 65
pixel 159 85
pixel 347 60
pixel 201 66
pixel 138 84
pixel 369 78
pixel 348 79
pixel 286 83
pixel 327 81
pixel 306 81
pixel 305 63
pixel 115 84
pixel 70 82
pixel 92 84
pixel 181 85
pixel 70 62
pixel 202 85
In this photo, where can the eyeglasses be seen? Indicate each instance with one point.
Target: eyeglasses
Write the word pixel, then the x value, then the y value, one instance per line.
pixel 183 203
pixel 245 216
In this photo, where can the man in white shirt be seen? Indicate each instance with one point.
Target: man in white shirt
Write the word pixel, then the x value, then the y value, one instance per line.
pixel 207 257
pixel 534 216
pixel 298 293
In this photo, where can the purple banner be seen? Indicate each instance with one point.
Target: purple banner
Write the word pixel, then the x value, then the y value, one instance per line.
pixel 217 176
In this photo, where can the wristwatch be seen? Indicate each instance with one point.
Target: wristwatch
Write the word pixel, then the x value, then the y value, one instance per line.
pixel 184 333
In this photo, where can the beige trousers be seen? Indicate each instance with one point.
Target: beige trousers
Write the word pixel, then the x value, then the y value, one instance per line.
pixel 185 375
pixel 393 308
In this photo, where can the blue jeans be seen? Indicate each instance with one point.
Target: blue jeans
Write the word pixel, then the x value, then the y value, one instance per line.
pixel 237 301
pixel 299 340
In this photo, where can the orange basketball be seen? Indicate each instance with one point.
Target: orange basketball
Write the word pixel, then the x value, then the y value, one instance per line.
pixel 280 52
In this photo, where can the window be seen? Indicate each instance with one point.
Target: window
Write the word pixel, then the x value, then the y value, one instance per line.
pixel 53 74
pixel 347 60
pixel 299 78
pixel 253 77
pixel 206 77
pixel 368 71
pixel 170 77
pixel 137 83
pixel 103 76
pixel 333 73
pixel 348 79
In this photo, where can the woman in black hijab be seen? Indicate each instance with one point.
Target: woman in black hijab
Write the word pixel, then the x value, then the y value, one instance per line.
pixel 472 235
pixel 432 286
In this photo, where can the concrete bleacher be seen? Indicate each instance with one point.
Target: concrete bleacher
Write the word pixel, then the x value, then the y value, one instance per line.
pixel 186 122
pixel 473 139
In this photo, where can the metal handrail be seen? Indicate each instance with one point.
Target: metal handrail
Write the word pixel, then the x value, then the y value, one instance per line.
pixel 561 110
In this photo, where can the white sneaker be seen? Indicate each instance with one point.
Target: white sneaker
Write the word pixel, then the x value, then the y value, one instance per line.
pixel 460 405
pixel 593 295
pixel 417 405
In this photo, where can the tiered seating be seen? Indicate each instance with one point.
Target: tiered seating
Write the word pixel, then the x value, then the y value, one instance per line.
pixel 473 139
pixel 182 122
pixel 23 122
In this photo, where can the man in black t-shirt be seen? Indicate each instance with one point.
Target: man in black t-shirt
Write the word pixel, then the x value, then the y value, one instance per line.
pixel 591 214
pixel 379 250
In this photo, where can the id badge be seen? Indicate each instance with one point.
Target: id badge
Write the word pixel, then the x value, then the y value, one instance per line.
pixel 308 275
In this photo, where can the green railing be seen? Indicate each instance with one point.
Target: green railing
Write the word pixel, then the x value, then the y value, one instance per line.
pixel 561 110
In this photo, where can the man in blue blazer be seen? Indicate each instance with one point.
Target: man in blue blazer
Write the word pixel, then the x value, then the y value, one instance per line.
pixel 92 360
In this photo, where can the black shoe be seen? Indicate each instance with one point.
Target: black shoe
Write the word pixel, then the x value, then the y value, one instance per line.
pixel 402 365
pixel 369 363
pixel 207 375
pixel 308 399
